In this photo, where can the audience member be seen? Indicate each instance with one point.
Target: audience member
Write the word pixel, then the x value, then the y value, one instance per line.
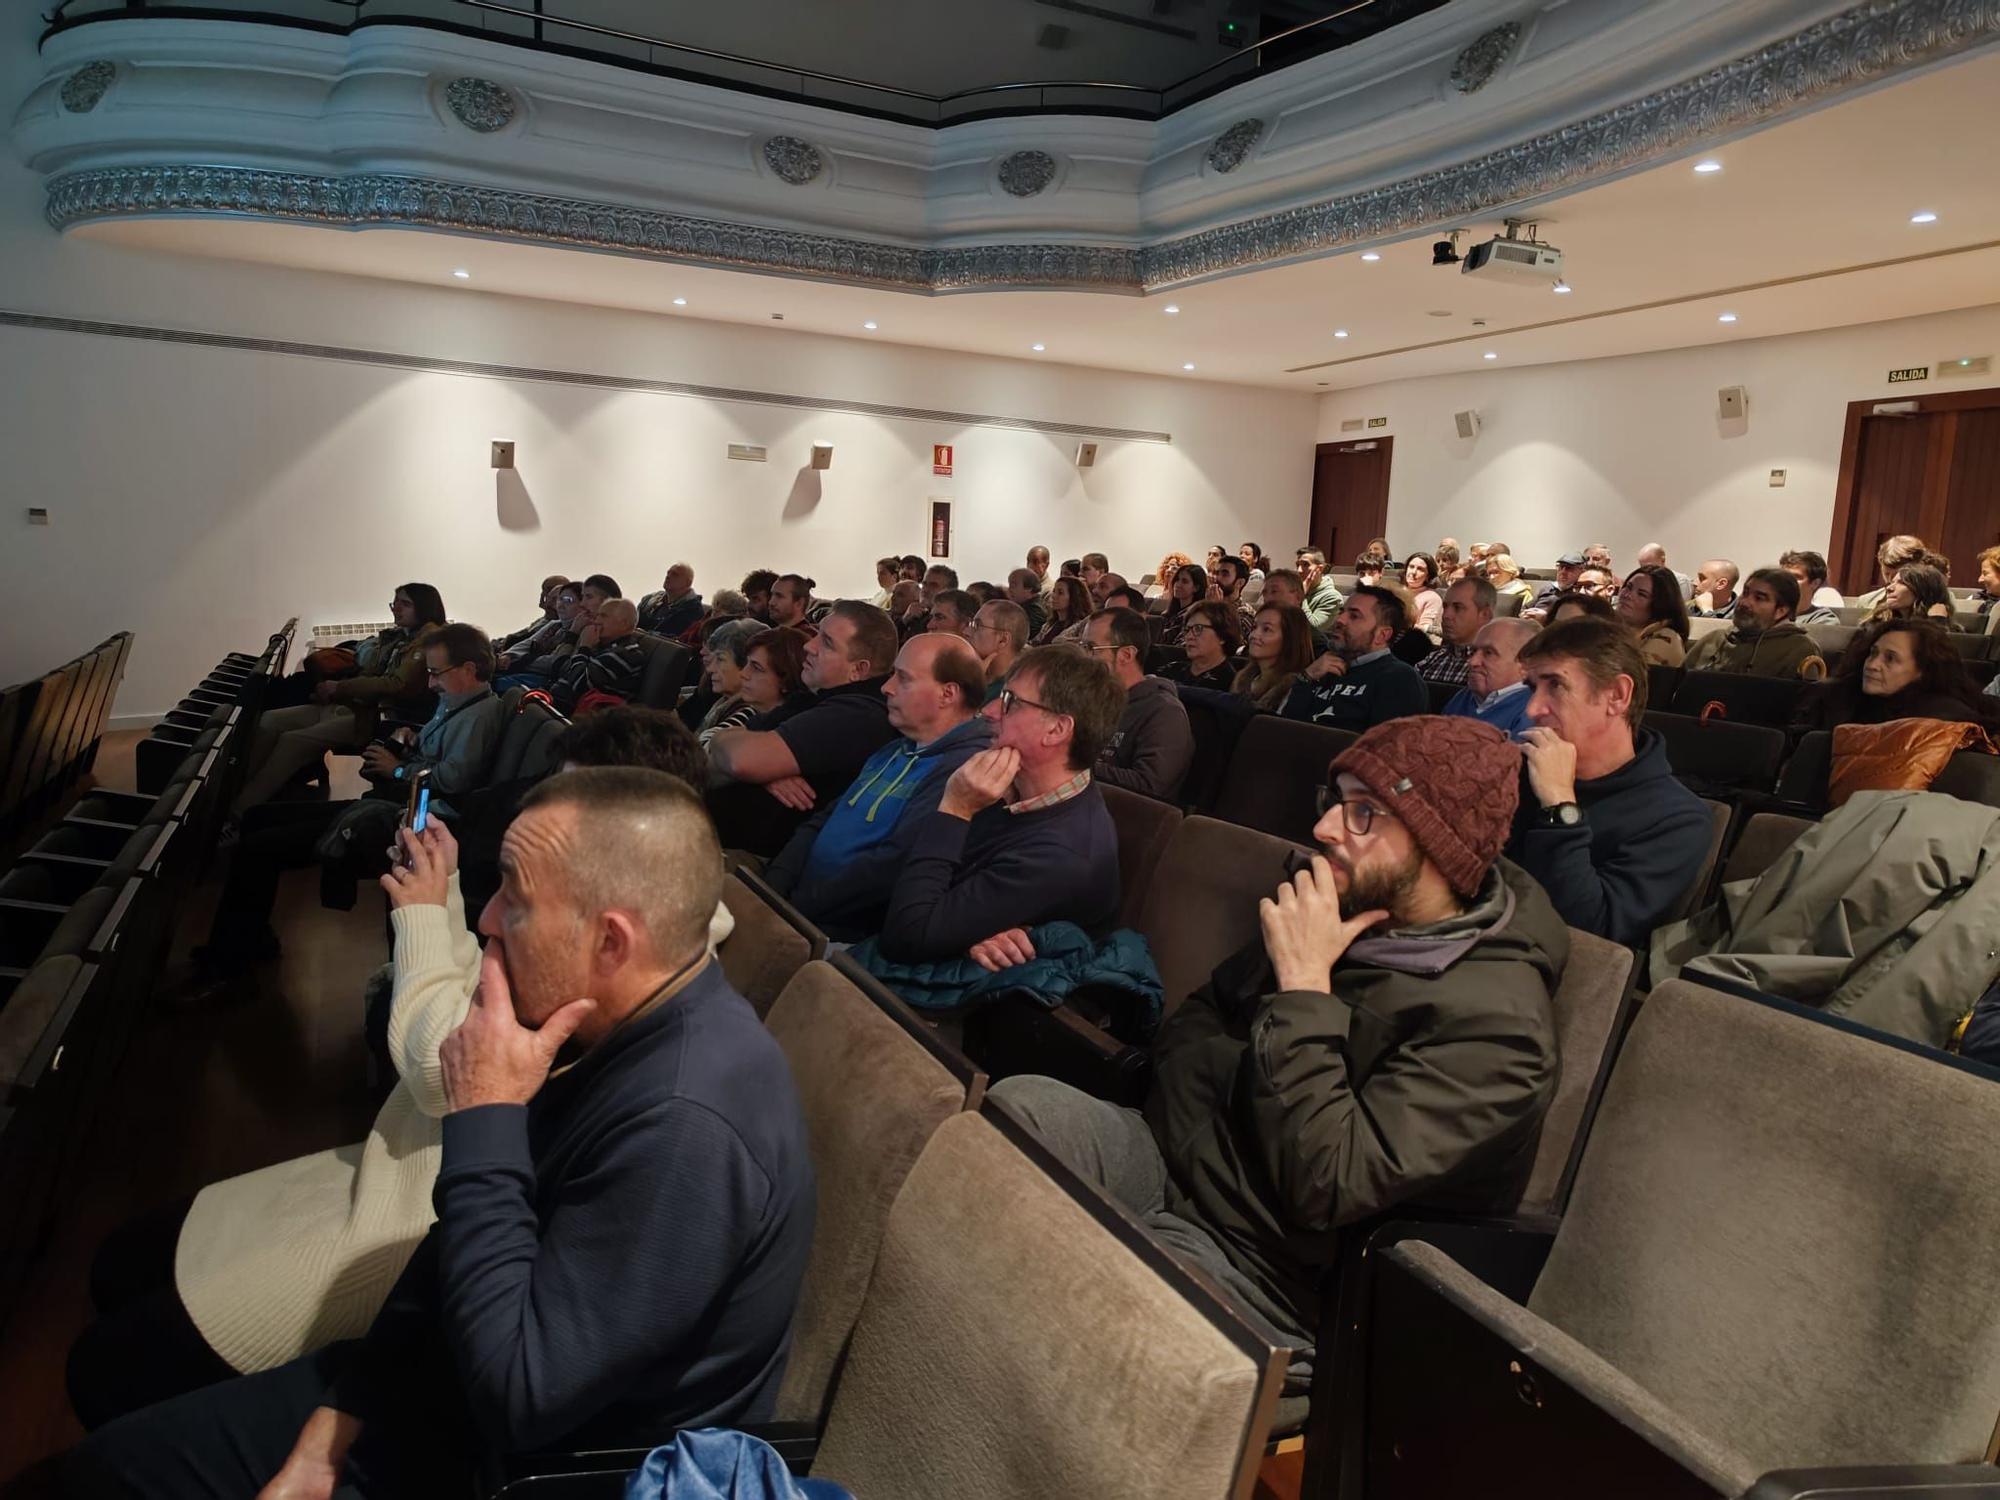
pixel 793 605
pixel 1653 555
pixel 1276 650
pixel 1895 553
pixel 1069 607
pixel 1989 582
pixel 756 587
pixel 1095 567
pixel 1125 597
pixel 1189 589
pixel 1323 600
pixel 999 634
pixel 938 578
pixel 1763 640
pixel 787 764
pixel 1599 583
pixel 676 606
pixel 1576 606
pixel 984 592
pixel 1225 586
pixel 1368 569
pixel 1255 570
pixel 1359 682
pixel 951 612
pixel 772 687
pixel 1283 586
pixel 1387 1042
pixel 910 569
pixel 1072 567
pixel 1650 602
pixel 1614 839
pixel 1109 584
pixel 1894 669
pixel 1021 835
pixel 1420 576
pixel 620 1240
pixel 607 663
pixel 737 698
pixel 1216 553
pixel 1569 567
pixel 1715 588
pixel 552 587
pixel 1468 605
pixel 346 712
pixel 1150 750
pixel 1209 636
pixel 888 573
pixel 1819 602
pixel 531 661
pixel 1505 575
pixel 1162 586
pixel 1917 590
pixel 1598 555
pixel 1024 588
pixel 906 607
pixel 1495 690
pixel 841 864
pixel 1451 566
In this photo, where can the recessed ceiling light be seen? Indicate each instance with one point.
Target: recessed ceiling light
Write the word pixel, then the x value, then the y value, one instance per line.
pixel 869 325
pixel 1561 288
pixel 1370 255
pixel 1489 354
pixel 1726 318
pixel 1438 312
pixel 1710 165
pixel 1038 348
pixel 1923 216
pixel 1170 309
pixel 680 302
pixel 1187 367
pixel 1340 333
pixel 462 274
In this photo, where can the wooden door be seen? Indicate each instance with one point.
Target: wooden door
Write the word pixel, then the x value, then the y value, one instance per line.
pixel 1350 500
pixel 1933 472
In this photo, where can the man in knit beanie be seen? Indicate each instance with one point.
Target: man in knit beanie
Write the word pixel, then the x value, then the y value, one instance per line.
pixel 1387 1041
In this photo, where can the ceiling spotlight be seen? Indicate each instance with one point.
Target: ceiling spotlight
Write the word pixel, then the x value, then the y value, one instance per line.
pixel 1710 165
pixel 1340 333
pixel 869 325
pixel 1170 309
pixel 1038 348
pixel 1370 255
pixel 1726 318
pixel 680 302
pixel 1187 367
pixel 1489 354
pixel 462 274
pixel 1561 288
pixel 1923 216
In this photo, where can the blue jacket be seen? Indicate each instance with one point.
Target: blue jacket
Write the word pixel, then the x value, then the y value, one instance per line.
pixel 713 1464
pixel 1506 710
pixel 1065 961
pixel 839 868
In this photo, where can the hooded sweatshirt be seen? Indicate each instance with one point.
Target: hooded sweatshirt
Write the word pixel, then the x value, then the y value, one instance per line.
pixel 1781 651
pixel 1422 1078
pixel 1619 872
pixel 1375 688
pixel 1153 746
pixel 839 868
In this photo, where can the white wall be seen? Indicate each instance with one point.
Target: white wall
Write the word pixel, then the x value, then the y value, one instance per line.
pixel 1631 450
pixel 200 496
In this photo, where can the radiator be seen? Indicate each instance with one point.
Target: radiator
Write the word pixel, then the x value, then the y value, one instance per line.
pixel 333 635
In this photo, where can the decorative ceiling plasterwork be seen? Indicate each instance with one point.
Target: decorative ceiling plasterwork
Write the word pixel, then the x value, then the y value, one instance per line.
pixel 1857 48
pixel 1474 68
pixel 1233 145
pixel 480 104
pixel 1026 173
pixel 83 88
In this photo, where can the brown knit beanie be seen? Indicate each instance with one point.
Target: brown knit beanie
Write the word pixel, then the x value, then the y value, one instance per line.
pixel 1453 782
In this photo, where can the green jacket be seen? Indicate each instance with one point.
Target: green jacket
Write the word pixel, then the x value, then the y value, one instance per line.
pixel 1424 1076
pixel 1782 651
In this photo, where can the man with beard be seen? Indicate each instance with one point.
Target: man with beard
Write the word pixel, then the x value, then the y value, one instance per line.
pixel 1388 1041
pixel 1358 681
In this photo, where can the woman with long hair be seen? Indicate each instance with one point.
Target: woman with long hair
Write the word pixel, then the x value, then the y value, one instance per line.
pixel 1896 669
pixel 1279 648
pixel 1420 576
pixel 1255 566
pixel 1210 637
pixel 1917 591
pixel 1650 602
pixel 1163 576
pixel 1190 588
pixel 1069 607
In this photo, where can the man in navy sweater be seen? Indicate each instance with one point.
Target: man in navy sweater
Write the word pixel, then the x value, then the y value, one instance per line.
pixel 625 1203
pixel 1614 839
pixel 1359 682
pixel 1020 836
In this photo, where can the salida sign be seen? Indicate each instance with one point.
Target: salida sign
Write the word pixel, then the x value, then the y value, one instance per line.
pixel 941 458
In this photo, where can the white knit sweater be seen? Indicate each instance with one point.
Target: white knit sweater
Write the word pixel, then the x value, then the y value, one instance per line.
pixel 281 1261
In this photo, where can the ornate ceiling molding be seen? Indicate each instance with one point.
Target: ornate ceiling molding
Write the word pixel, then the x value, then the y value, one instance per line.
pixel 1025 173
pixel 1233 146
pixel 83 88
pixel 1855 49
pixel 793 160
pixel 480 104
pixel 1474 68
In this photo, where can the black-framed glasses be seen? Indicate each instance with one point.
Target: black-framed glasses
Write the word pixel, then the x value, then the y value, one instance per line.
pixel 1008 698
pixel 1195 626
pixel 1357 812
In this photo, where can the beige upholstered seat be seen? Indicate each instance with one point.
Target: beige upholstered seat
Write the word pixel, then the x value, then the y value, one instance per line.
pixel 1145 827
pixel 1763 839
pixel 764 951
pixel 1204 901
pixel 1778 1253
pixel 1014 1347
pixel 872 1097
pixel 1589 1008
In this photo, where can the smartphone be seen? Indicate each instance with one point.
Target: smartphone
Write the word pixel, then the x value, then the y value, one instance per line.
pixel 417 812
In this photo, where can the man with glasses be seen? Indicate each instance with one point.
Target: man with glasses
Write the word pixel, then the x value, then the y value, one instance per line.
pixel 839 867
pixel 999 634
pixel 1387 1041
pixel 607 663
pixel 1020 836
pixel 1153 746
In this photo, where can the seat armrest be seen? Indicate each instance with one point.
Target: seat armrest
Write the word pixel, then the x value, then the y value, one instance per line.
pixel 1903 1481
pixel 1015 1035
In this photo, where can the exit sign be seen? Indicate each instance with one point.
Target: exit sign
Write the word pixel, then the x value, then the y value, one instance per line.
pixel 1915 372
pixel 941 458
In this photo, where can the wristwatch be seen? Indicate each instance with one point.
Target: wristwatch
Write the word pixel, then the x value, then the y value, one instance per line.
pixel 1562 815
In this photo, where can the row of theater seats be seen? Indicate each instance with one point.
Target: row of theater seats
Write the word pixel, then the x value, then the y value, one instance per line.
pixel 87 915
pixel 238 680
pixel 49 731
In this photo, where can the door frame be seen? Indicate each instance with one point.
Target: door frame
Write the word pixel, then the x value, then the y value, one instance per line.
pixel 1387 443
pixel 1841 541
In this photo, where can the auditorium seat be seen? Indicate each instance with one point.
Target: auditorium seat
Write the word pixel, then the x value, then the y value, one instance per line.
pixel 1592 1007
pixel 1145 827
pixel 1718 756
pixel 1744 699
pixel 1719 814
pixel 1274 777
pixel 1441 693
pixel 1204 900
pixel 771 943
pixel 1505 606
pixel 1763 839
pixel 1832 640
pixel 1661 684
pixel 1701 625
pixel 1775 1259
pixel 665 671
pixel 1806 771
pixel 872 1095
pixel 1972 775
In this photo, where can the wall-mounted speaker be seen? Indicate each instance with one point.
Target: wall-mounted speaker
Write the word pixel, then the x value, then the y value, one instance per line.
pixel 822 456
pixel 1731 401
pixel 1467 422
pixel 1086 455
pixel 503 455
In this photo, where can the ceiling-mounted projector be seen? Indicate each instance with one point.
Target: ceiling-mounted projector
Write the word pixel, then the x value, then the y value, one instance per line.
pixel 1505 258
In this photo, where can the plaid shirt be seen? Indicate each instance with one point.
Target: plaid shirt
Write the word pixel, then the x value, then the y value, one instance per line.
pixel 1074 787
pixel 1446 664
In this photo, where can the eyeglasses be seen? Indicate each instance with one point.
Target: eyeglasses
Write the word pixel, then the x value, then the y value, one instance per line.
pixel 1357 812
pixel 1008 698
pixel 1195 627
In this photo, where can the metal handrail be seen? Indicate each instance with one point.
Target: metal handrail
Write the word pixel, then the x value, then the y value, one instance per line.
pixel 935 105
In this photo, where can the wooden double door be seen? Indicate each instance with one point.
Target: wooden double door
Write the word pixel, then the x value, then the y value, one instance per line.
pixel 1933 472
pixel 1350 500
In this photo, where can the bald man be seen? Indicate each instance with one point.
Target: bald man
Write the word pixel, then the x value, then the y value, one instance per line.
pixel 841 865
pixel 1653 555
pixel 1496 690
pixel 621 1232
pixel 607 663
